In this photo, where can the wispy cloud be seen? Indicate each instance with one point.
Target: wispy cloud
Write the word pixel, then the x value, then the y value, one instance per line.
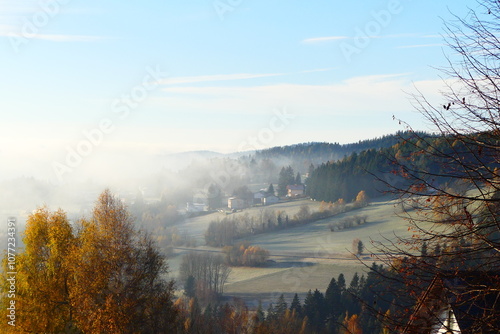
pixel 53 37
pixel 357 95
pixel 69 38
pixel 419 46
pixel 5 28
pixel 14 15
pixel 216 77
pixel 232 77
pixel 336 38
pixel 319 70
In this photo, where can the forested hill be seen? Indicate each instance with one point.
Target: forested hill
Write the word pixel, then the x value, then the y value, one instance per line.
pixel 318 153
pixel 429 157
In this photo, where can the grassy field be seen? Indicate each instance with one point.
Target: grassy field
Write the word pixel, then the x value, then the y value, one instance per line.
pixel 287 277
pixel 304 257
pixel 316 237
pixel 197 226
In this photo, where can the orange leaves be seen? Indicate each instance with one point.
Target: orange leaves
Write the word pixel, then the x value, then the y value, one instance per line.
pixel 362 198
pixel 245 255
pixel 102 279
pixel 352 325
pixel 43 273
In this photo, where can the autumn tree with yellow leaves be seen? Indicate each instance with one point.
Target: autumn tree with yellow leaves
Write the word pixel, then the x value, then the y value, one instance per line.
pixel 100 276
pixel 42 279
pixel 243 254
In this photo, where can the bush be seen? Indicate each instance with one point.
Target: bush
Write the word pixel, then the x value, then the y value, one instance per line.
pixel 243 254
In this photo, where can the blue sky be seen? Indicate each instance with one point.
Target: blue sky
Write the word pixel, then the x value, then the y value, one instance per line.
pixel 209 74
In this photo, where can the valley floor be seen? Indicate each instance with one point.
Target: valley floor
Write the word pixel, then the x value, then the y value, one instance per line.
pixel 304 257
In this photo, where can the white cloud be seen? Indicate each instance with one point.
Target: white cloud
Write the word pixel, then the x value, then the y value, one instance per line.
pixel 15 16
pixel 366 94
pixel 5 28
pixel 68 38
pixel 231 77
pixel 336 38
pixel 217 77
pixel 52 37
pixel 319 70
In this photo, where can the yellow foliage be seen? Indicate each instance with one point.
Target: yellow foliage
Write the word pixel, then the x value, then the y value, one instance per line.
pixel 99 280
pixel 41 296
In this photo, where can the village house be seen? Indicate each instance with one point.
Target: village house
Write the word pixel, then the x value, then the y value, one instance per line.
pixel 271 199
pixel 196 207
pixel 295 190
pixel 235 203
pixel 259 196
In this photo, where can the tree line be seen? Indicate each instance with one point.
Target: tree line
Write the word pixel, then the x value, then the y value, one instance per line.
pixel 378 171
pixel 225 231
pixel 363 306
pixel 322 152
pixel 204 274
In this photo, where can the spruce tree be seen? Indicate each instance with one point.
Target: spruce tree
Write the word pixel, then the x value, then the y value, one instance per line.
pixel 286 178
pixel 333 298
pixel 280 307
pixel 295 305
pixel 298 179
pixel 270 189
pixel 341 282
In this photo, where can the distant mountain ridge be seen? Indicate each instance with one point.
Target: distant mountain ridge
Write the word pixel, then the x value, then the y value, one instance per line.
pixel 325 150
pixel 430 159
pixel 320 152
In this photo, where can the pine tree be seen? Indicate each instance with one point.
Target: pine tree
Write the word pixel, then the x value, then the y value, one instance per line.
pixel 260 316
pixel 296 306
pixel 362 282
pixel 333 296
pixel 311 169
pixel 281 306
pixel 361 247
pixel 271 315
pixel 270 189
pixel 354 285
pixel 315 309
pixel 286 178
pixel 341 282
pixel 298 179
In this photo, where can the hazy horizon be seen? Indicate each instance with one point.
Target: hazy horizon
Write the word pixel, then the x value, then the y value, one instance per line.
pixel 92 88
